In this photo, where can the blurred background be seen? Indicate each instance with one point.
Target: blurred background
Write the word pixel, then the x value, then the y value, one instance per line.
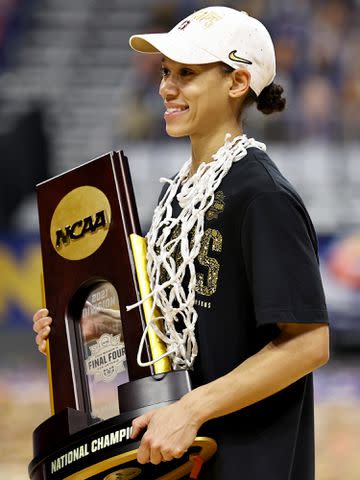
pixel 71 89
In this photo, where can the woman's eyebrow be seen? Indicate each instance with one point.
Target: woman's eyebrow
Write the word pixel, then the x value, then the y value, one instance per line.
pixel 164 61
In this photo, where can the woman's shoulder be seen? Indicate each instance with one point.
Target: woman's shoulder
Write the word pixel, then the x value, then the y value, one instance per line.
pixel 259 169
pixel 257 174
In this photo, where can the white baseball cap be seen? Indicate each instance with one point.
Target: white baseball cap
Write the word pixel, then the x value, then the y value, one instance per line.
pixel 217 34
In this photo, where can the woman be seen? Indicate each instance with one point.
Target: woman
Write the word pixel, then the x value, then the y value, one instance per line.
pixel 233 260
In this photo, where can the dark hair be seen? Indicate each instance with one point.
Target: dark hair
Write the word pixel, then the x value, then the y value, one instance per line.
pixel 270 99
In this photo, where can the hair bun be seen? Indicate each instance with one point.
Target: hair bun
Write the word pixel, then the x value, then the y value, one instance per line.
pixel 270 99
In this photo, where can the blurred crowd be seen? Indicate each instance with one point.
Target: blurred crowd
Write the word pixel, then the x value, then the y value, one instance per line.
pixel 70 90
pixel 11 22
pixel 317 45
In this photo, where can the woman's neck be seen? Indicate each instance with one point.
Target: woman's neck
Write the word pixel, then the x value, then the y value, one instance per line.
pixel 203 147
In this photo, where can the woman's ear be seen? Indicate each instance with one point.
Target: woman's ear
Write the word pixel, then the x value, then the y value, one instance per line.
pixel 240 83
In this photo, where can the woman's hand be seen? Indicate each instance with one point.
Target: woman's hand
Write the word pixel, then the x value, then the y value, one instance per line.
pixel 41 326
pixel 170 431
pixel 102 321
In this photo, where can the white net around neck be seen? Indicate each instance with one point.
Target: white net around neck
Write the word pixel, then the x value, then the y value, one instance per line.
pixel 175 299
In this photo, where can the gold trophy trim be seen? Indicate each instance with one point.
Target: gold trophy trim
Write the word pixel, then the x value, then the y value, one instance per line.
pixel 208 448
pixel 47 350
pixel 157 346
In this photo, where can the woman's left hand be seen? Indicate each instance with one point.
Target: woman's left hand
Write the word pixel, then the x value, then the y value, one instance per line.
pixel 170 432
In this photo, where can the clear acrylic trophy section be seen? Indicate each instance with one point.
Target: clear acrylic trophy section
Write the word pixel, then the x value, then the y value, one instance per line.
pixel 103 349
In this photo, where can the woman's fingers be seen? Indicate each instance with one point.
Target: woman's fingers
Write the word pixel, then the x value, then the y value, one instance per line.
pixel 41 324
pixel 42 347
pixel 41 320
pixel 41 339
pixel 42 335
pixel 43 312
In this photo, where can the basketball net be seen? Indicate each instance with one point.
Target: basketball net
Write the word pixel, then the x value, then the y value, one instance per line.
pixel 174 297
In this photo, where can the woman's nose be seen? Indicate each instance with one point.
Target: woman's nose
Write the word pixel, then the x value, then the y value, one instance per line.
pixel 168 87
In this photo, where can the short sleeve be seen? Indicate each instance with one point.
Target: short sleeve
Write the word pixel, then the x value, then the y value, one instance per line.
pixel 279 249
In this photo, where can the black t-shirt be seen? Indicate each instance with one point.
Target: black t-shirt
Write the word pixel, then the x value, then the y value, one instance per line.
pixel 257 266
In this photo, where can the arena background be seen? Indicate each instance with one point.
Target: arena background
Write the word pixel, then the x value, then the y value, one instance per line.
pixel 71 89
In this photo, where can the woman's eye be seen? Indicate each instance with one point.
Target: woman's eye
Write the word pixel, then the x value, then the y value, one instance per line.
pixel 164 72
pixel 184 72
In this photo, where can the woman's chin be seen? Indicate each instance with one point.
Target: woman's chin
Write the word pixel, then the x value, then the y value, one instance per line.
pixel 176 132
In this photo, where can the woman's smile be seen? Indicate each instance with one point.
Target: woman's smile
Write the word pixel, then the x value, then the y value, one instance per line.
pixel 174 110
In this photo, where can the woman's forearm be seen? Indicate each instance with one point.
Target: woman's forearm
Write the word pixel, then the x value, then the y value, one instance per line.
pixel 294 353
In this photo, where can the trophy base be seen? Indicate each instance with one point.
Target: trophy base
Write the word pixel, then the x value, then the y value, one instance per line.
pixel 73 446
pixel 125 467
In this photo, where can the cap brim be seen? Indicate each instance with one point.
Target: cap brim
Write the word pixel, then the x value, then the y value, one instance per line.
pixel 172 46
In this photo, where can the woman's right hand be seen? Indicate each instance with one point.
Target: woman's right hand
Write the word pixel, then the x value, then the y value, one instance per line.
pixel 41 326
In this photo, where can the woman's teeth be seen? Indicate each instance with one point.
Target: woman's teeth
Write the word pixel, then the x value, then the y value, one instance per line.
pixel 172 110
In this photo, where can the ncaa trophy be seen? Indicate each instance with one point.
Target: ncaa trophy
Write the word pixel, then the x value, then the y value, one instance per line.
pixel 94 265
